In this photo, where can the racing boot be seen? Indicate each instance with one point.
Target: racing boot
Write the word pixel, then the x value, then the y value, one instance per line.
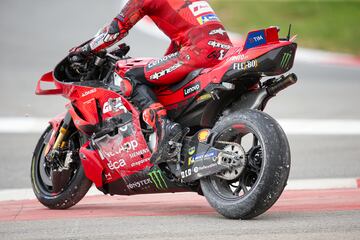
pixel 168 133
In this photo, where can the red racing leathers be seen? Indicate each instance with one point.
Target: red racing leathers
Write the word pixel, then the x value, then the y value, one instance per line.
pixel 198 39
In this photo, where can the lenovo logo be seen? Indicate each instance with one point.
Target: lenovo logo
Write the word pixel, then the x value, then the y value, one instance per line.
pixel 191 89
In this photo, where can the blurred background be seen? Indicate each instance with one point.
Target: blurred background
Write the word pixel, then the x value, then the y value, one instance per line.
pixel 321 24
pixel 36 35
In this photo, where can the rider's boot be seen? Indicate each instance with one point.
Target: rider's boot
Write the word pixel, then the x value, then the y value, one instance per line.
pixel 154 114
pixel 167 131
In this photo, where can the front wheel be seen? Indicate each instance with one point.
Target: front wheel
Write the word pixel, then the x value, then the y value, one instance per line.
pixel 74 183
pixel 248 191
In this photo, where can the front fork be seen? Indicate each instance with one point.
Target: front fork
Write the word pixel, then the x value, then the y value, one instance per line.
pixel 61 173
pixel 59 141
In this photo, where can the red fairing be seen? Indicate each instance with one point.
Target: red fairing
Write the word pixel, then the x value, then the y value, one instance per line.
pixel 112 156
pixel 171 99
pixel 93 167
pixel 48 78
pixel 127 152
pixel 272 35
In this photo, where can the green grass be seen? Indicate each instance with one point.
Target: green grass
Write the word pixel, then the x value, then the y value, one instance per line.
pixel 328 25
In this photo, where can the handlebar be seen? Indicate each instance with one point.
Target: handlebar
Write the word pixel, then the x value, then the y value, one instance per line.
pixel 93 66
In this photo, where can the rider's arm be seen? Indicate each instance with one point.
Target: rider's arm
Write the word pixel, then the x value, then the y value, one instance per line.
pixel 133 11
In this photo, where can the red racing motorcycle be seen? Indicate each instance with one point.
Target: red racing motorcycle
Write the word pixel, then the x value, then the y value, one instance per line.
pixel 234 154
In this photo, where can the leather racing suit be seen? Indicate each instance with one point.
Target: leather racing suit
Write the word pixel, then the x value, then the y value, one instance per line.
pixel 198 40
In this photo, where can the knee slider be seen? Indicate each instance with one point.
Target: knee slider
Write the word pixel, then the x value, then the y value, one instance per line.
pixel 159 109
pixel 149 117
pixel 126 87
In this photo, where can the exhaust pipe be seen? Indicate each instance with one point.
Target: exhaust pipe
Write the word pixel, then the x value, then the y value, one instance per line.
pixel 258 99
pixel 281 84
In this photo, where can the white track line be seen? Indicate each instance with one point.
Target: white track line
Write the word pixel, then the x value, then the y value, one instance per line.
pixel 291 126
pixel 22 125
pixel 325 183
pixel 320 126
pixel 303 184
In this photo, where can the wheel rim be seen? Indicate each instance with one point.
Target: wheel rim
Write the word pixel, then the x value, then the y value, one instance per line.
pixel 241 186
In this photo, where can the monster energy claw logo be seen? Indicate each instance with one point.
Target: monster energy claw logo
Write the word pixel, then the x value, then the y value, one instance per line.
pixel 158 179
pixel 285 60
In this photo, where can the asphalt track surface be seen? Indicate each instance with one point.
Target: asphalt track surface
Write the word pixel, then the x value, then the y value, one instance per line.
pixel 34 36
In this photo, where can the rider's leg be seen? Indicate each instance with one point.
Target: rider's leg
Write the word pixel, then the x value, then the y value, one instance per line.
pixel 167 70
pixel 154 114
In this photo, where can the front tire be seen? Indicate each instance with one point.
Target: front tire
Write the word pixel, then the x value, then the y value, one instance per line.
pixel 267 168
pixel 76 188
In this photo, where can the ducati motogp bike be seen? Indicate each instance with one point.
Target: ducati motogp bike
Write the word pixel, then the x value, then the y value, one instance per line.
pixel 233 153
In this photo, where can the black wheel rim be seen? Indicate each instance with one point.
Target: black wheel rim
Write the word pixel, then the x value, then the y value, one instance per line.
pixel 248 138
pixel 42 170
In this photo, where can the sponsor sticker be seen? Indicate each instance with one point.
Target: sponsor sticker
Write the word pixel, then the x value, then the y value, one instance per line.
pixel 216 44
pixel 245 65
pixel 209 154
pixel 111 37
pixel 162 73
pixel 117 164
pixel 114 105
pixel 255 39
pixel 207 18
pixel 141 162
pixel 219 31
pixel 191 89
pixel 191 151
pixel 237 58
pixel 203 135
pixel 200 7
pixel 139 184
pixel 139 153
pixel 97 41
pixel 160 61
pixel 285 60
pixel 84 94
pixel 218 54
pixel 108 176
pixel 186 173
pixel 157 179
pixel 128 146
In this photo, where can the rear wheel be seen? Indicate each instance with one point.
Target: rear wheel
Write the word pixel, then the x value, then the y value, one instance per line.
pixel 252 188
pixel 74 184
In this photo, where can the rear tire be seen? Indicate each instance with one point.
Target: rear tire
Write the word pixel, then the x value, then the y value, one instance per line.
pixel 260 188
pixel 75 190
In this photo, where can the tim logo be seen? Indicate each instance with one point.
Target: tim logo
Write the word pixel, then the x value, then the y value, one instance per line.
pixel 191 89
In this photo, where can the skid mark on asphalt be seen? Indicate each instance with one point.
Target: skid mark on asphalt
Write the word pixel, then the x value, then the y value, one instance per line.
pixel 175 204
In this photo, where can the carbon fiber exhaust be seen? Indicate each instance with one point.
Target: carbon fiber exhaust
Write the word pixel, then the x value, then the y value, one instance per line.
pixel 281 84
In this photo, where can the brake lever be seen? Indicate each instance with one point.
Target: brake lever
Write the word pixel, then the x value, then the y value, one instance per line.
pixel 78 68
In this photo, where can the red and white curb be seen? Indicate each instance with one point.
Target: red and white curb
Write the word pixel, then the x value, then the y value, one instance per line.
pixel 301 184
pixel 303 55
pixel 168 204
